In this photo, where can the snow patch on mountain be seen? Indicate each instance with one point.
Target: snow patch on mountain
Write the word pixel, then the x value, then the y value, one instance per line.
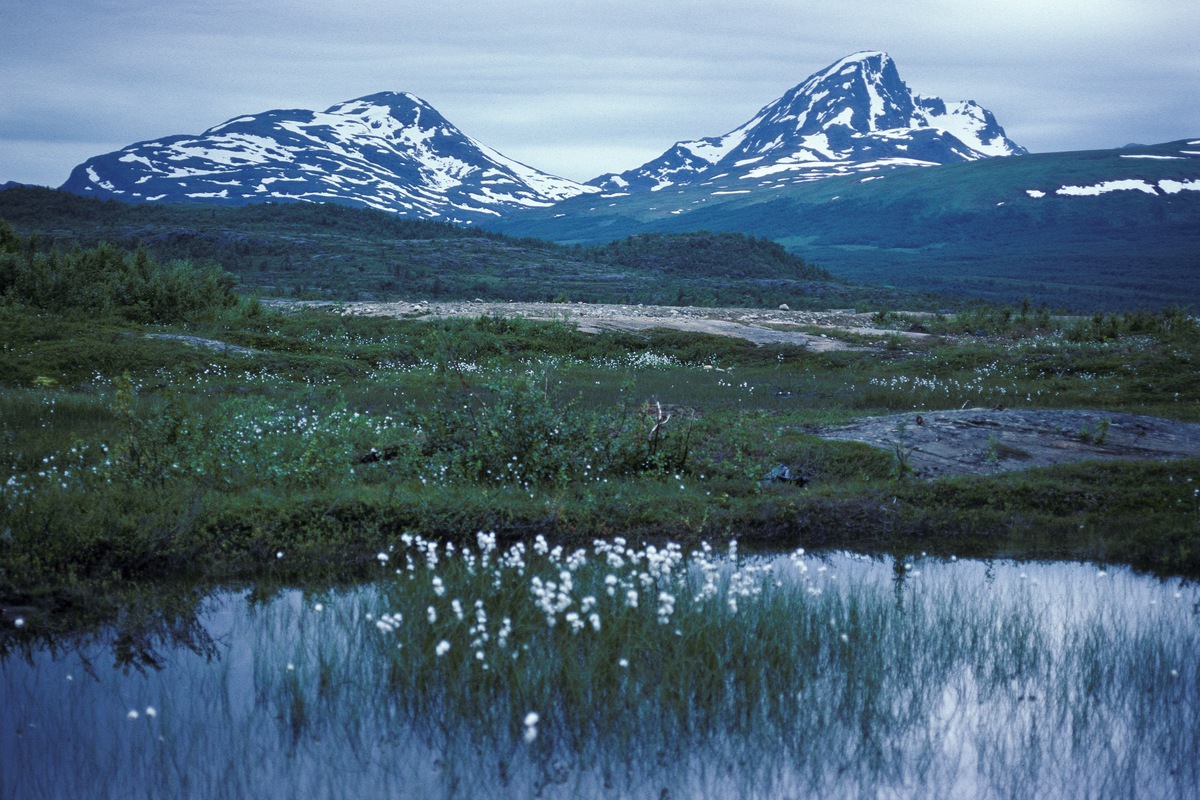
pixel 389 151
pixel 1108 186
pixel 1162 187
pixel 855 115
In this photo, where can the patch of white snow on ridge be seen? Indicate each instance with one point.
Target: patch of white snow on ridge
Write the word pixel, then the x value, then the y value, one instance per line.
pixel 1035 193
pixel 549 186
pixel 826 169
pixel 134 158
pixel 711 151
pixel 95 178
pixel 846 117
pixel 234 121
pixel 964 120
pixel 1175 187
pixel 819 143
pixel 1107 186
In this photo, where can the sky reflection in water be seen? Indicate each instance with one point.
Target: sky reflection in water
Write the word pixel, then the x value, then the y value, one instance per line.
pixel 265 707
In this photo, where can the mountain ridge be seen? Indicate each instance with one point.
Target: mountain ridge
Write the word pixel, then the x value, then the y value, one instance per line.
pixel 856 115
pixel 390 150
pixel 393 151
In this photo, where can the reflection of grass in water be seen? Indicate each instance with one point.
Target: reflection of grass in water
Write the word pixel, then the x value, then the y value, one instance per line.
pixel 829 678
pixel 776 676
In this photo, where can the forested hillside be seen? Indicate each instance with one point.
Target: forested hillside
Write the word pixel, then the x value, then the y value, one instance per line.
pixel 335 252
pixel 717 255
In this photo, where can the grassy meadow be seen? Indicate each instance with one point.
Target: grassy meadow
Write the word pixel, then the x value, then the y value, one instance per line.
pixel 132 453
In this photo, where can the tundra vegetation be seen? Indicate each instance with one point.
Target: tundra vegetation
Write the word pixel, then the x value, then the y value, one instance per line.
pixel 131 452
pixel 159 428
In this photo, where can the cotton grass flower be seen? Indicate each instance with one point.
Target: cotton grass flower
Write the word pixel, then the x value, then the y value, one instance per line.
pixel 442 648
pixel 531 731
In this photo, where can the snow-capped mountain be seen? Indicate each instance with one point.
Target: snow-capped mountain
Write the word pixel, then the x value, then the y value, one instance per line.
pixel 390 151
pixel 856 115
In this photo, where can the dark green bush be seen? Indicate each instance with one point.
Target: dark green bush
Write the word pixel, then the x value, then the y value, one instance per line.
pixel 106 281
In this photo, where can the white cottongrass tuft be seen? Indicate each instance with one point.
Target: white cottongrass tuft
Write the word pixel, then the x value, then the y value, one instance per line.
pixel 531 731
pixel 443 647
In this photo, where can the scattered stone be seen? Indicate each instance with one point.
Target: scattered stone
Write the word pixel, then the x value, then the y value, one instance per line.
pixel 783 474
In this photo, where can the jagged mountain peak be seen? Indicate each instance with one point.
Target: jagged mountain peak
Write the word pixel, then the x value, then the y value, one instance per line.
pixel 863 92
pixel 855 115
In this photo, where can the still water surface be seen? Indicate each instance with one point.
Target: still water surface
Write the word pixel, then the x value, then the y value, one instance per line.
pixel 1092 691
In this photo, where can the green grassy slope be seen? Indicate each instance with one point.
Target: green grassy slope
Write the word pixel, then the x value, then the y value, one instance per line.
pixel 970 228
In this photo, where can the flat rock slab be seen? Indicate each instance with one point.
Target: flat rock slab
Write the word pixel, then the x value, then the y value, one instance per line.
pixel 984 442
pixel 208 344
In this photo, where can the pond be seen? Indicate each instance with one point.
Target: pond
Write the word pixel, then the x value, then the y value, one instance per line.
pixel 623 672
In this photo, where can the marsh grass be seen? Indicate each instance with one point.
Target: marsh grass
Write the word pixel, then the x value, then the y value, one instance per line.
pixel 834 677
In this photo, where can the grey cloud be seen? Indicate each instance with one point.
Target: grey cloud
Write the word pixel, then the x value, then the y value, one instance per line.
pixel 572 87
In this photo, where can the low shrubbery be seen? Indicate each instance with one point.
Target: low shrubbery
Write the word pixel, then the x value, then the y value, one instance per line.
pixel 106 281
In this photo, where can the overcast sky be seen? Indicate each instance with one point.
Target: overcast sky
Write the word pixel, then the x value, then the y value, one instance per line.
pixel 577 87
